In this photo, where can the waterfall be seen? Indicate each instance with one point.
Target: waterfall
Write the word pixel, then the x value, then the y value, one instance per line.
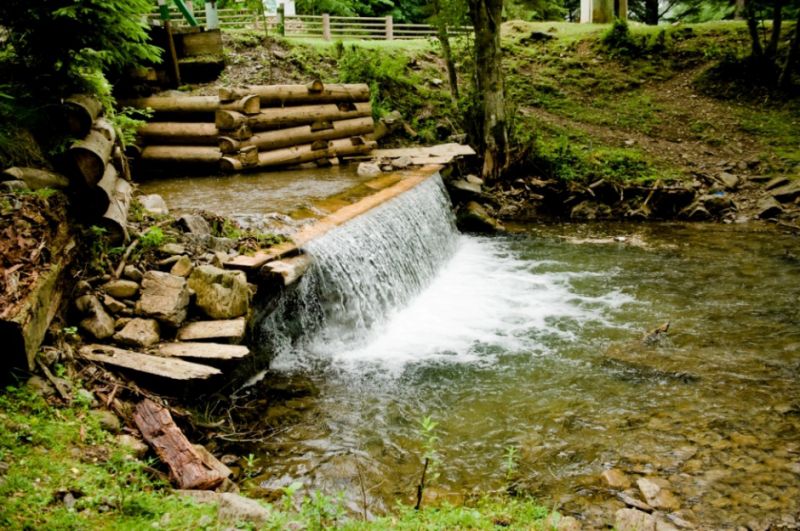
pixel 365 269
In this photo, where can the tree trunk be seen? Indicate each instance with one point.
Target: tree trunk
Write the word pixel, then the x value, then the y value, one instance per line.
pixel 188 154
pixel 785 80
pixel 486 19
pixel 447 53
pixel 186 133
pixel 278 95
pixel 346 147
pixel 303 134
pixel 275 118
pixel 777 22
pixel 651 12
pixel 752 28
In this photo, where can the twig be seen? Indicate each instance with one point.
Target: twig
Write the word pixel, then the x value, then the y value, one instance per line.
pixel 53 380
pixel 421 486
pixel 128 251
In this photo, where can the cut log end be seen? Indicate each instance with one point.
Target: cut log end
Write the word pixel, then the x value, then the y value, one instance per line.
pixel 230 164
pixel 229 119
pixel 315 87
pixel 251 104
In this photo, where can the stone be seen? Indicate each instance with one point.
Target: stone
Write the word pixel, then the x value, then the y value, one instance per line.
pixel 13 186
pixel 172 248
pixel 236 508
pixel 154 205
pixel 717 203
pixel 788 192
pixel 37 179
pixel 436 82
pixel 696 212
pixel 768 207
pixel 776 182
pixel 139 333
pixel 656 494
pixel 106 419
pixel 40 386
pixel 182 268
pixel 121 289
pixel 630 501
pixel 401 163
pixel 220 244
pixel 474 218
pixel 557 522
pixel 98 323
pixel 132 273
pixel 136 447
pixel 86 396
pixel 590 210
pixel 221 294
pixel 195 224
pixel 164 297
pixel 112 304
pixel 465 189
pixel 368 169
pixel 728 180
pixel 232 330
pixel 616 479
pixel 633 520
pixel 474 179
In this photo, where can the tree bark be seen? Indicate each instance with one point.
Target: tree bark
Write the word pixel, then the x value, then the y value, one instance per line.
pixel 115 219
pixel 303 134
pixel 185 133
pixel 279 95
pixel 447 53
pixel 777 22
pixel 752 28
pixel 189 154
pixel 275 118
pixel 280 157
pixel 80 111
pixel 345 147
pixel 90 155
pixel 785 80
pixel 651 12
pixel 486 19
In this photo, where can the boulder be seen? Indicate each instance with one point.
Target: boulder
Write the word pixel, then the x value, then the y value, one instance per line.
pixel 776 182
pixel 590 210
pixel 616 479
pixel 788 192
pixel 195 224
pixel 474 218
pixel 368 169
pixel 172 249
pixel 154 204
pixel 97 323
pixel 464 189
pixel 717 203
pixel 221 294
pixel 633 520
pixel 121 289
pixel 139 333
pixel 164 297
pixel 220 244
pixel 136 447
pixel 768 207
pixel 728 180
pixel 106 419
pixel 132 273
pixel 13 186
pixel 112 304
pixel 236 508
pixel 36 179
pixel 182 268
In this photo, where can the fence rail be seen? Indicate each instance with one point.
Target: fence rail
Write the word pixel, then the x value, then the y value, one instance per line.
pixel 324 27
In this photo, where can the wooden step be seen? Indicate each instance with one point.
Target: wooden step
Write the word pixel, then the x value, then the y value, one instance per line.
pixel 172 368
pixel 211 351
pixel 232 330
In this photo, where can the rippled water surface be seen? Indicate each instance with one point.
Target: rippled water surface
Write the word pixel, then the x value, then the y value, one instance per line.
pixel 532 341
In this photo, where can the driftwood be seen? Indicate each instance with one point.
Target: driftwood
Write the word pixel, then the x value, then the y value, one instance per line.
pixel 80 111
pixel 115 218
pixel 172 369
pixel 187 466
pixel 281 157
pixel 272 95
pixel 190 154
pixel 291 116
pixel 304 134
pixel 209 351
pixel 91 155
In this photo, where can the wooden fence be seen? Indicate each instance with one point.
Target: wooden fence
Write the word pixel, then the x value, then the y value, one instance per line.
pixel 326 27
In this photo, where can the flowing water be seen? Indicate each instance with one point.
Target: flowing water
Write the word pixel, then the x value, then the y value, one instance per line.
pixel 533 342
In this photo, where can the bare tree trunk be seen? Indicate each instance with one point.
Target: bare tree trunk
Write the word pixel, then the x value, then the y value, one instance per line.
pixel 752 27
pixel 791 59
pixel 777 22
pixel 447 53
pixel 651 12
pixel 486 19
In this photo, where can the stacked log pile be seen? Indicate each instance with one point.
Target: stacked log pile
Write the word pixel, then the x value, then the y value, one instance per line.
pixel 259 127
pixel 99 171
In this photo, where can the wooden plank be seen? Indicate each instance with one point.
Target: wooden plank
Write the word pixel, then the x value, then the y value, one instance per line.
pixel 288 270
pixel 260 258
pixel 231 329
pixel 212 351
pixel 174 369
pixel 202 43
pixel 186 465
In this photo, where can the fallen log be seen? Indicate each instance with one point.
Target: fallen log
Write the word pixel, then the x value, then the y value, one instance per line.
pixel 279 95
pixel 80 112
pixel 91 155
pixel 280 157
pixel 186 465
pixel 180 133
pixel 247 104
pixel 290 116
pixel 303 134
pixel 101 196
pixel 115 218
pixel 185 154
pixel 356 145
pixel 36 178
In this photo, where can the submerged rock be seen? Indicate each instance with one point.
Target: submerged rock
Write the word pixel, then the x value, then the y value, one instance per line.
pixel 221 294
pixel 616 479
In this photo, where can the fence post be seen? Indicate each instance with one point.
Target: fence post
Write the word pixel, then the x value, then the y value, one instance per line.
pixel 281 21
pixel 326 26
pixel 389 28
pixel 212 18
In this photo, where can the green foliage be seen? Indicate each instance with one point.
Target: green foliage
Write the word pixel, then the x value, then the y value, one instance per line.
pixel 430 443
pixel 385 73
pixel 152 238
pixel 618 40
pixel 127 122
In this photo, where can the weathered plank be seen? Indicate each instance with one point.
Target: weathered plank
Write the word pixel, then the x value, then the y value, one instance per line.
pixel 186 465
pixel 231 329
pixel 260 258
pixel 288 270
pixel 174 369
pixel 213 351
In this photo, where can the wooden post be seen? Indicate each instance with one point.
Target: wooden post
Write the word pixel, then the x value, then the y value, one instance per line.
pixel 212 17
pixel 173 54
pixel 586 11
pixel 326 26
pixel 389 28
pixel 622 10
pixel 281 21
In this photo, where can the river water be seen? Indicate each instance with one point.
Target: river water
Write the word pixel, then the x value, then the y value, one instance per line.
pixel 531 344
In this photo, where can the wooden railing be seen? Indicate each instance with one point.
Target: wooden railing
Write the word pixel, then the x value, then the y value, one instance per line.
pixel 324 27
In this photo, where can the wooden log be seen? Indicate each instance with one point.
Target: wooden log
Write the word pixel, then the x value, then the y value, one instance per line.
pixel 279 95
pixel 249 156
pixel 180 133
pixel 105 128
pixel 121 163
pixel 187 467
pixel 303 134
pixel 281 157
pixel 172 369
pixel 80 112
pixel 186 154
pixel 101 196
pixel 289 116
pixel 356 145
pixel 115 218
pixel 176 104
pixel 91 155
pixel 249 104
